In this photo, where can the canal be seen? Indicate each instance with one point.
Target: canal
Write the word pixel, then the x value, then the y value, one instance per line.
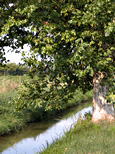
pixel 36 136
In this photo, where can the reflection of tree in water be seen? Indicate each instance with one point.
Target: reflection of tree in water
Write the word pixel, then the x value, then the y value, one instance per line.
pixel 30 132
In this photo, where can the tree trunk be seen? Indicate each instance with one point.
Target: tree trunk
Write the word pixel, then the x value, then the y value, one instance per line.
pixel 101 109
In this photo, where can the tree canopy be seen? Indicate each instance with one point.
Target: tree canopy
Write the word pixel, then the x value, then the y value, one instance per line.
pixel 75 39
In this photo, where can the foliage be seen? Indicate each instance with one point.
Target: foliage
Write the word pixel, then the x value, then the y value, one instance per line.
pixel 13 69
pixel 33 93
pixel 12 120
pixel 74 40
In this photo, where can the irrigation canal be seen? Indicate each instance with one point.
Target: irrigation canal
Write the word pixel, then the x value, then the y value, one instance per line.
pixel 36 136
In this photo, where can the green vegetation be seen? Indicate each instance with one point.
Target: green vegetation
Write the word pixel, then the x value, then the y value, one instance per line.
pixel 9 120
pixel 9 82
pixel 85 138
pixel 12 120
pixel 34 93
pixel 75 40
pixel 71 46
pixel 13 69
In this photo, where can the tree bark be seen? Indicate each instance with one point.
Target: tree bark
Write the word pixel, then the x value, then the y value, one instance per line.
pixel 101 109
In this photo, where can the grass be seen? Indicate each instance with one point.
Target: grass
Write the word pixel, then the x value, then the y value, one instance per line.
pixel 10 120
pixel 8 83
pixel 79 97
pixel 85 138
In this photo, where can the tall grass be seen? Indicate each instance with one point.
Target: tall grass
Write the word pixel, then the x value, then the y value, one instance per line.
pixel 10 120
pixel 79 97
pixel 8 83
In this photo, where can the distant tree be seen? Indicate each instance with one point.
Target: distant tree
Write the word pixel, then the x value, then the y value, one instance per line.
pixel 76 42
pixel 13 69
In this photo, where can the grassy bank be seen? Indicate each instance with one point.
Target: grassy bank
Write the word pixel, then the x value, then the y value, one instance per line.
pixel 9 120
pixel 13 121
pixel 86 138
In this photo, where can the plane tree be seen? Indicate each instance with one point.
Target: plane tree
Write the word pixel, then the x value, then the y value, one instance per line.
pixel 75 41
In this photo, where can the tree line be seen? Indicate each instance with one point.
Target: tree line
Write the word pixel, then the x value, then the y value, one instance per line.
pixel 13 69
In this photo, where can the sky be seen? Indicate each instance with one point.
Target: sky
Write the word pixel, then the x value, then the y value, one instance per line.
pixel 15 57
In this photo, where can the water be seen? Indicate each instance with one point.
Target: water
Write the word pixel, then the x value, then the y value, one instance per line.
pixel 37 135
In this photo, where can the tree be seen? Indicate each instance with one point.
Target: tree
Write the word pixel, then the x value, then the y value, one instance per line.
pixel 13 69
pixel 76 42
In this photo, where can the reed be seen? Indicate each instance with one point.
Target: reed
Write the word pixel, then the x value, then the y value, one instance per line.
pixel 8 83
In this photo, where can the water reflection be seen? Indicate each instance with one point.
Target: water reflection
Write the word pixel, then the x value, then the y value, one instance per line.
pixel 37 143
